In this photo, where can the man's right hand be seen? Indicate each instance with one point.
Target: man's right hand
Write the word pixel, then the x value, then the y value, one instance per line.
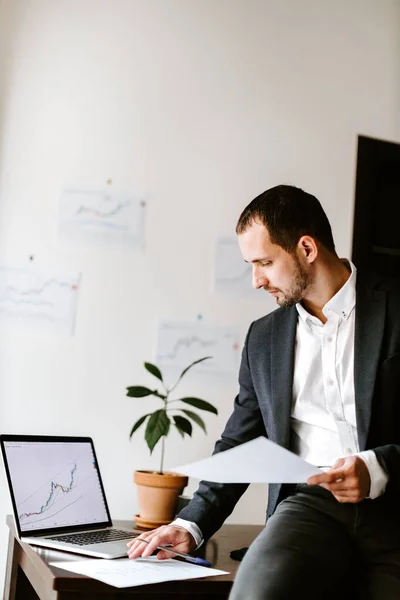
pixel 177 536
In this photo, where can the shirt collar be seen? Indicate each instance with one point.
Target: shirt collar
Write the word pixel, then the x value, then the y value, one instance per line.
pixel 342 303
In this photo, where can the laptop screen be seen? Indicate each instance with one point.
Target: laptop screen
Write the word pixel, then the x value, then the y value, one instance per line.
pixel 54 483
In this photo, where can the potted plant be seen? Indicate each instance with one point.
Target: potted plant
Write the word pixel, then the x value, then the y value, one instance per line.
pixel 158 491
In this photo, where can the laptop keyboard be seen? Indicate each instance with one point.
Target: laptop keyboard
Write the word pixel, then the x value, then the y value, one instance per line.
pixel 94 537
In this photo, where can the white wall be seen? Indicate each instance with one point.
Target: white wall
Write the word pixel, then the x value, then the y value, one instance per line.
pixel 200 105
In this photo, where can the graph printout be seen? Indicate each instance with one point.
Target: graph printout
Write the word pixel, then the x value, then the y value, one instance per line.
pixel 182 343
pixel 55 484
pixel 103 216
pixel 41 300
pixel 231 274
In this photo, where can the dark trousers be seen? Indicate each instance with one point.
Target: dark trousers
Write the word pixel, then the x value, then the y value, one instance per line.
pixel 315 547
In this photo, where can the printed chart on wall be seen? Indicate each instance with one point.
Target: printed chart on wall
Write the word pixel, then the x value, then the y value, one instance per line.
pixel 55 484
pixel 38 300
pixel 90 215
pixel 182 343
pixel 231 274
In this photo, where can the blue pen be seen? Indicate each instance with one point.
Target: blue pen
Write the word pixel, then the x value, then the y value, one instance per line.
pixel 193 559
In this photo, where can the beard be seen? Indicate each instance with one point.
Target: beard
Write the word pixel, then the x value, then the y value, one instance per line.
pixel 301 282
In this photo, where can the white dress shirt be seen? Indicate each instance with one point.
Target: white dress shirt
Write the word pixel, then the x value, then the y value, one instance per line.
pixel 323 417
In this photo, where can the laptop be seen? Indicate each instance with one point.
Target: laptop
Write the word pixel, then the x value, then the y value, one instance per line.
pixel 58 496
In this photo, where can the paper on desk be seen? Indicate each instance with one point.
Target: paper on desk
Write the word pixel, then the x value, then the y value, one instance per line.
pixel 257 461
pixel 125 572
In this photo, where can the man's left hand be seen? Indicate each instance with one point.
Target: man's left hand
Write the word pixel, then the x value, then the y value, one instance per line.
pixel 348 479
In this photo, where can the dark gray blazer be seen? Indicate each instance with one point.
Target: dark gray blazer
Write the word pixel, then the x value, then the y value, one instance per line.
pixel 263 405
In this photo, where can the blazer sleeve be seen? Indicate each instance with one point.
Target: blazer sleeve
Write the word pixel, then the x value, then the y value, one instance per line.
pixel 213 502
pixel 378 326
pixel 388 455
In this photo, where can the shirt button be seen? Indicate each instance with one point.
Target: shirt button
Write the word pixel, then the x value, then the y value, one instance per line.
pixel 348 450
pixel 344 315
pixel 330 381
pixel 329 339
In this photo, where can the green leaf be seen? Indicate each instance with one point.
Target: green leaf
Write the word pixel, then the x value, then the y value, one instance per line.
pixel 157 426
pixel 153 370
pixel 192 364
pixel 138 391
pixel 201 404
pixel 183 424
pixel 138 424
pixel 196 418
pixel 180 430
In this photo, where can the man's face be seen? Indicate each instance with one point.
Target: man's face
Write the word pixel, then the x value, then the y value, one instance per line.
pixel 281 274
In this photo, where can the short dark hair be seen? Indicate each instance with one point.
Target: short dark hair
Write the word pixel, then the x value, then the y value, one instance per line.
pixel 288 213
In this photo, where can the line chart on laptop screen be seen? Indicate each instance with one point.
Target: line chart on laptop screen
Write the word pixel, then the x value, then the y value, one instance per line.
pixel 55 484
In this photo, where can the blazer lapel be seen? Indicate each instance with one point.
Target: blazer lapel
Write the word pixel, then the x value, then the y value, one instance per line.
pixel 369 328
pixel 282 366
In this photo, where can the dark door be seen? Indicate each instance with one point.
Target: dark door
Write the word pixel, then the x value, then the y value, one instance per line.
pixel 376 231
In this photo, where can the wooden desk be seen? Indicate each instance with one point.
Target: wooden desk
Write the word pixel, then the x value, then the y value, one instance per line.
pixel 29 575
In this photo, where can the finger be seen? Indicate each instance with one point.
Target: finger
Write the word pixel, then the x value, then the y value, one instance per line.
pixel 138 541
pixel 350 494
pixel 347 498
pixel 135 541
pixel 137 550
pixel 147 535
pixel 159 537
pixel 328 477
pixel 163 555
pixel 177 536
pixel 156 540
pixel 342 485
pixel 316 480
pixel 141 546
pixel 134 544
pixel 341 498
pixel 149 549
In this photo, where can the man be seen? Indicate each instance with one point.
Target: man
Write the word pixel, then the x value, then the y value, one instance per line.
pixel 320 376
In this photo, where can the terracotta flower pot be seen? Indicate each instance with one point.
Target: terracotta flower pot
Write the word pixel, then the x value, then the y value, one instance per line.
pixel 158 497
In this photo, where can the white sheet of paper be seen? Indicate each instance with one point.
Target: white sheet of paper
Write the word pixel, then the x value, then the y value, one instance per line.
pixel 257 461
pixel 125 572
